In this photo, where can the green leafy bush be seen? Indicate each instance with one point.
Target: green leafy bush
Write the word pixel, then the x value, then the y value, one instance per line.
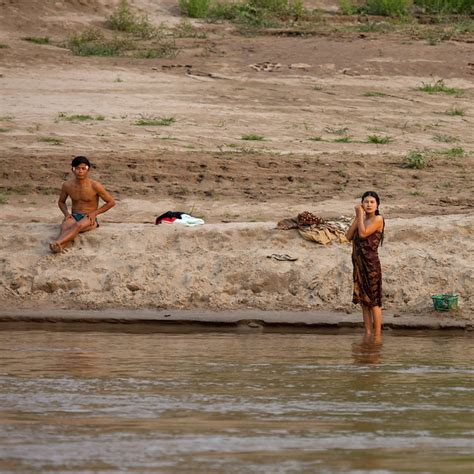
pixel 465 7
pixel 395 8
pixel 127 20
pixel 415 160
pixel 92 42
pixel 194 8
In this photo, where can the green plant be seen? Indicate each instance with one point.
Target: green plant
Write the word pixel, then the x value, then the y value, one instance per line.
pixel 456 152
pixel 316 138
pixel 345 139
pixel 374 94
pixel 155 122
pixel 185 29
pixel 3 130
pixel 252 136
pixel 444 138
pixel 253 14
pixel 416 160
pixel 379 140
pixel 79 117
pixel 446 6
pixel 417 193
pixel 3 199
pixel 194 8
pixel 92 42
pixel 166 49
pixel 438 86
pixel 454 111
pixel 347 7
pixel 393 8
pixel 3 46
pixel 52 140
pixel 36 40
pixel 127 20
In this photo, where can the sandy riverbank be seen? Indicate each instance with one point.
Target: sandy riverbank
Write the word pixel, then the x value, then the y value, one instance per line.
pixel 344 122
pixel 226 266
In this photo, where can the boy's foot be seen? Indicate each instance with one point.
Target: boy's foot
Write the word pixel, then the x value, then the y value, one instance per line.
pixel 55 247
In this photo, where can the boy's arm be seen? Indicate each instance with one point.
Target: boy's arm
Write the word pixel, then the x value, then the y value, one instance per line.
pixel 62 201
pixel 106 197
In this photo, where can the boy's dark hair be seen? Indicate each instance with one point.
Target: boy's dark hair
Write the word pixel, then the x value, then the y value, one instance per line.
pixel 79 160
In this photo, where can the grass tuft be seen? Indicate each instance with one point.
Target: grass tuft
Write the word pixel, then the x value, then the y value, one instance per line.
pixel 166 49
pixel 438 87
pixel 155 122
pixel 92 42
pixel 392 8
pixel 415 160
pixel 52 140
pixel 456 152
pixel 194 8
pixel 36 40
pixel 444 138
pixel 79 117
pixel 373 94
pixel 454 111
pixel 379 140
pixel 252 14
pixel 4 46
pixel 185 29
pixel 345 139
pixel 125 19
pixel 316 138
pixel 253 136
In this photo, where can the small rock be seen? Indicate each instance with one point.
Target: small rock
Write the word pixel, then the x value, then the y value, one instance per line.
pixel 132 287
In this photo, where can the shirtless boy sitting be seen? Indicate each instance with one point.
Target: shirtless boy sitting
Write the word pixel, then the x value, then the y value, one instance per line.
pixel 84 193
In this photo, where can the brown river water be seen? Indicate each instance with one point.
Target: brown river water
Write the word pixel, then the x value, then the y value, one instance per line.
pixel 145 401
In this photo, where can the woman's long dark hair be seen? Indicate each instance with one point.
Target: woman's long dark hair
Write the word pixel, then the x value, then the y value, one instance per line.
pixel 377 212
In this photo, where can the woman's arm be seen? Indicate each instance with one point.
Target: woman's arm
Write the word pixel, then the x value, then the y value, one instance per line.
pixel 351 231
pixel 367 229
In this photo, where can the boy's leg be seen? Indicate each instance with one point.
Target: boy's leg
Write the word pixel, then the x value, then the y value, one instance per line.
pixel 70 233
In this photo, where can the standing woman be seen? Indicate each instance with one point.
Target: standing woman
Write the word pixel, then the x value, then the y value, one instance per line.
pixel 366 233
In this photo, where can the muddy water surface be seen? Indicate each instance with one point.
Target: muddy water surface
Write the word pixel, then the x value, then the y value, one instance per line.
pixel 103 402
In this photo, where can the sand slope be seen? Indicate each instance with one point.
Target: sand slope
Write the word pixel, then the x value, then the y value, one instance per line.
pixel 225 266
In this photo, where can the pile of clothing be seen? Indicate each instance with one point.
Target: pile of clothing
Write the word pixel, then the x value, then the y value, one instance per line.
pixel 176 217
pixel 317 229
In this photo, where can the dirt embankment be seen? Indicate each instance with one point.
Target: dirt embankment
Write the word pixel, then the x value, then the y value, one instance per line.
pixel 227 266
pixel 338 114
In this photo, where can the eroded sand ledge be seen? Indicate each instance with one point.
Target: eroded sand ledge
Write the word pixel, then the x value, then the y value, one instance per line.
pixel 220 267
